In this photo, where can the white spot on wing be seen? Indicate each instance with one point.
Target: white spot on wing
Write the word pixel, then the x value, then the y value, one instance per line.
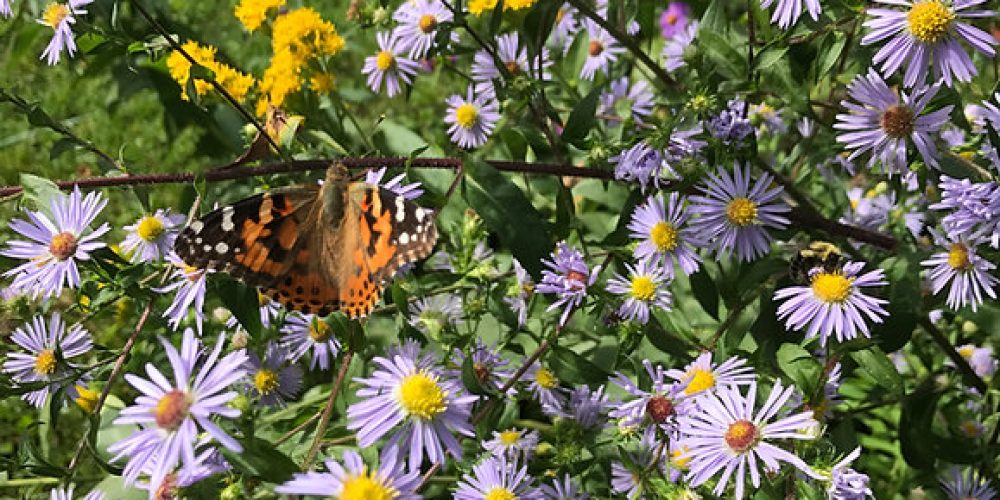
pixel 221 247
pixel 227 219
pixel 400 209
pixel 420 214
pixel 197 226
pixel 404 238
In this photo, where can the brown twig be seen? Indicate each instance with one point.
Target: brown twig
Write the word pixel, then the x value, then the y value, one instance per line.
pixel 115 371
pixel 324 420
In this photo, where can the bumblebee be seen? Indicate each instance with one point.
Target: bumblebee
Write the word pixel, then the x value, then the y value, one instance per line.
pixel 820 254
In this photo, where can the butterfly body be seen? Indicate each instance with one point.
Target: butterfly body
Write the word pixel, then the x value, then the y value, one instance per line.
pixel 315 249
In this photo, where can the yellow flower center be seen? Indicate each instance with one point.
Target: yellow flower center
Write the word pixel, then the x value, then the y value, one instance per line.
pixel 266 381
pixel 966 351
pixel 595 48
pixel 546 378
pixel 513 67
pixel 832 287
pixel 970 428
pixel 741 212
pixel 958 257
pixel 54 14
pixel 150 228
pixel 500 493
pixel 365 487
pixel 420 395
pixel 172 409
pixel 385 60
pixel 466 115
pixel 192 273
pixel 680 457
pixel 929 20
pixel 510 438
pixel 664 236
pixel 45 362
pixel 897 121
pixel 672 19
pixel 63 245
pixel 86 399
pixel 319 330
pixel 643 288
pixel 741 435
pixel 560 14
pixel 700 380
pixel 428 23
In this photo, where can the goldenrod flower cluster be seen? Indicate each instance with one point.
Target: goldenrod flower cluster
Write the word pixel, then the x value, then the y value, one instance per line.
pixel 235 82
pixel 252 13
pixel 477 7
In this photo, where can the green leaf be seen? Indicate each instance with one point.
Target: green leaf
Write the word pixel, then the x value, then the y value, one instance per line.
pixel 879 367
pixel 833 46
pixel 715 18
pixel 800 366
pixel 915 420
pixel 574 368
pixel 243 302
pixel 470 379
pixel 537 26
pixel 729 62
pixel 770 56
pixel 704 290
pixel 508 213
pixel 260 459
pixel 516 143
pixel 38 192
pixel 581 119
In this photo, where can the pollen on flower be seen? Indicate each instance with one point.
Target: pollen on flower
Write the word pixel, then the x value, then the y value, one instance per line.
pixel 265 381
pixel 63 245
pixel 172 409
pixel 966 351
pixel 546 378
pixel 680 457
pixel 427 23
pixel 150 228
pixel 664 236
pixel 832 287
pixel 385 60
pixel 958 257
pixel 510 437
pixel 929 21
pixel 699 381
pixel 466 115
pixel 45 362
pixel 319 330
pixel 500 493
pixel 365 487
pixel 741 435
pixel 897 121
pixel 741 212
pixel 54 14
pixel 421 396
pixel 643 288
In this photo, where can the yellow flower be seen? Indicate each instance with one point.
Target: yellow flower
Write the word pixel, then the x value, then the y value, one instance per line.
pixel 477 7
pixel 321 83
pixel 252 13
pixel 307 35
pixel 517 4
pixel 281 78
pixel 235 82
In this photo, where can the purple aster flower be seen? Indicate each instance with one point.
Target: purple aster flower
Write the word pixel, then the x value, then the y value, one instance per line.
pixel 586 407
pixel 270 380
pixel 962 267
pixel 645 287
pixel 665 235
pixel 881 122
pixel 637 100
pixel 727 435
pixel 419 404
pixel 979 358
pixel 67 494
pixel 5 9
pixel 513 444
pixel 270 310
pixel 806 127
pixel 171 416
pixel 602 50
pixel 660 406
pixel 566 28
pixel 519 292
pixel 847 483
pixel 410 191
pixel 731 125
pixel 568 277
pixel 967 485
pixel 642 163
pixel 702 374
pixel 354 479
pixel 59 17
pixel 544 386
pixel 50 348
pixel 208 462
pixel 189 284
pixel 630 480
pixel 56 244
pixel 496 478
pixel 770 119
pixel 431 315
pixel 418 23
pixel 152 236
pixel 674 48
pixel 735 216
pixel 953 136
pixel 674 19
pixel 833 303
pixel 388 65
pixel 490 369
pixel 471 120
pixel 869 209
pixel 567 489
pixel 632 27
pixel 928 33
pixel 515 60
pixel 305 333
pixel 975 208
pixel 787 12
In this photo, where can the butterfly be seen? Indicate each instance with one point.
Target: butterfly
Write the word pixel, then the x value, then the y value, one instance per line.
pixel 314 248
